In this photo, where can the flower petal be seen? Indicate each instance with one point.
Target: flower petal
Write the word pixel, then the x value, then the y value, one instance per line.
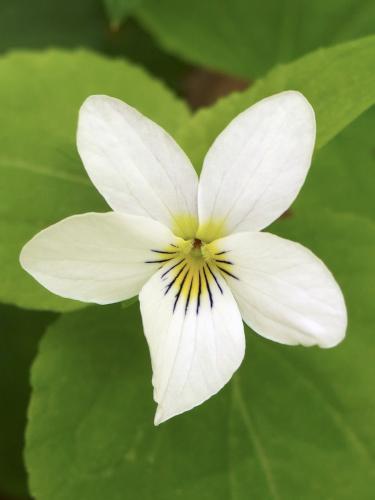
pixel 94 257
pixel 136 165
pixel 284 292
pixel 256 166
pixel 195 334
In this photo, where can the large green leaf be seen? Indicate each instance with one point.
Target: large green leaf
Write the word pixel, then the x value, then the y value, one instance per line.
pixel 339 82
pixel 41 177
pixel 293 423
pixel 249 37
pixel 20 332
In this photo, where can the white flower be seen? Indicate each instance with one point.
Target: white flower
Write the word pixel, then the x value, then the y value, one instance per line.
pixel 193 251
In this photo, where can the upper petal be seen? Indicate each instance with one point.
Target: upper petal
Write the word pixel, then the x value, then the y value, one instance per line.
pixel 101 258
pixel 256 166
pixel 195 334
pixel 136 165
pixel 284 292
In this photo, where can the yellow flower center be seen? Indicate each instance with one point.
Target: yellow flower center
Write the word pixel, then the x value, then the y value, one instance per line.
pixel 193 269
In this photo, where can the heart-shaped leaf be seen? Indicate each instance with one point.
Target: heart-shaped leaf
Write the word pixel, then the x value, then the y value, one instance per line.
pixel 293 423
pixel 42 177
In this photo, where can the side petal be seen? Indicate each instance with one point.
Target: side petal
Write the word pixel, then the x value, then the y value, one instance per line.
pixel 101 258
pixel 137 167
pixel 284 292
pixel 195 335
pixel 256 166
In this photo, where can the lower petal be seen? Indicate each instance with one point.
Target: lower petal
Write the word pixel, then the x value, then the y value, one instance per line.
pixel 101 258
pixel 195 334
pixel 284 292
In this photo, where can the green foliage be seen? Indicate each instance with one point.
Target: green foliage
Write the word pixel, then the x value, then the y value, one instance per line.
pixel 118 10
pixel 249 37
pixel 19 336
pixel 293 423
pixel 316 76
pixel 42 178
pixel 342 174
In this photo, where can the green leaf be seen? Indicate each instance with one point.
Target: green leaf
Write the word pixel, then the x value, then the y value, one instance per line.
pixel 41 177
pixel 293 423
pixel 129 302
pixel 118 10
pixel 342 175
pixel 339 82
pixel 19 336
pixel 249 37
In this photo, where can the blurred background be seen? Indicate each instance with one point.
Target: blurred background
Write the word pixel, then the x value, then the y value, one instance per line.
pixel 312 431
